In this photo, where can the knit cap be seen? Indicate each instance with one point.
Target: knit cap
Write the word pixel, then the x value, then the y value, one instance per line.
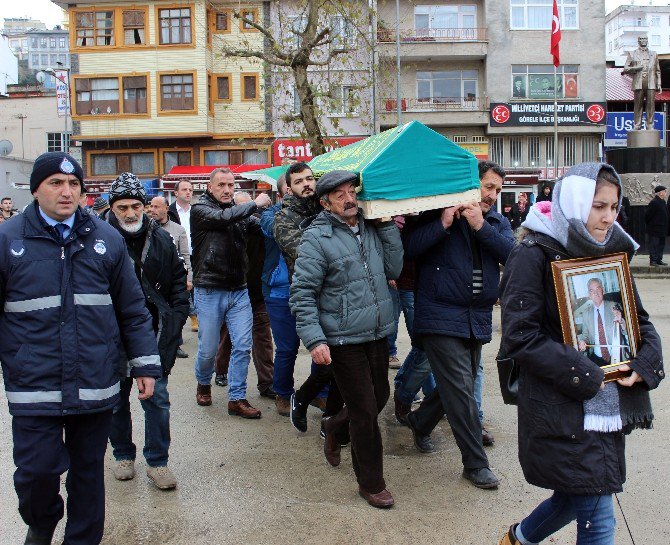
pixel 54 162
pixel 127 186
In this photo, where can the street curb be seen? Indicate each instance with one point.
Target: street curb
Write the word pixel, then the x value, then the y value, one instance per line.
pixel 650 272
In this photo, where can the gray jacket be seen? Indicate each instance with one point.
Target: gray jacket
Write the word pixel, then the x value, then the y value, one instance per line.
pixel 178 234
pixel 340 293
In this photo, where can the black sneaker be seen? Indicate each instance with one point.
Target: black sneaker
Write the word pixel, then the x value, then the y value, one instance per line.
pixel 481 477
pixel 181 353
pixel 221 380
pixel 422 442
pixel 298 415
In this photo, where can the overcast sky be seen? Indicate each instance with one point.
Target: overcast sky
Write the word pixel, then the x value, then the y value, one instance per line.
pixel 47 12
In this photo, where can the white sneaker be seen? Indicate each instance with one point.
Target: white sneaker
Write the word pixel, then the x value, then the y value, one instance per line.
pixel 124 470
pixel 162 477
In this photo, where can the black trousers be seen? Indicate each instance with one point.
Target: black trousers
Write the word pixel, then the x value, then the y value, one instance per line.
pixel 41 456
pixel 361 373
pixel 320 377
pixel 454 363
pixel 656 247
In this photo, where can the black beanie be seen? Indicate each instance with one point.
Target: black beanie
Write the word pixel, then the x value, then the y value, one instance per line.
pixel 51 163
pixel 127 186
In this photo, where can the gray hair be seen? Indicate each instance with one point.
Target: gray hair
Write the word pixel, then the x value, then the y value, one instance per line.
pixel 219 171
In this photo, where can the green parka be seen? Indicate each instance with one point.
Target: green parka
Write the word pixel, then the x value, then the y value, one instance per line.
pixel 340 292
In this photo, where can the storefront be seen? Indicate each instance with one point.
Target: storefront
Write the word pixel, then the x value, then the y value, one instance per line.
pixel 518 186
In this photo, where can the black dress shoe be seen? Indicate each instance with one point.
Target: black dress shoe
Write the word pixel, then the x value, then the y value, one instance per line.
pixel 35 538
pixel 269 393
pixel 221 380
pixel 487 437
pixel 181 353
pixel 298 415
pixel 422 442
pixel 481 477
pixel 662 264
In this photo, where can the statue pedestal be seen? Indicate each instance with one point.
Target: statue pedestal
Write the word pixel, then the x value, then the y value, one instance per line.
pixel 650 138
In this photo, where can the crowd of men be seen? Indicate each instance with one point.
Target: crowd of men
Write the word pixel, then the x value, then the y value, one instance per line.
pixel 308 269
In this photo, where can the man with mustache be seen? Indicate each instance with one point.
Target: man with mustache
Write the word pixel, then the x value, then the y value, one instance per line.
pixel 162 275
pixel 458 251
pixel 344 313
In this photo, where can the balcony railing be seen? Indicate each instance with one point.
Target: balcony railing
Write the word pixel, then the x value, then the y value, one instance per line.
pixel 434 104
pixel 433 35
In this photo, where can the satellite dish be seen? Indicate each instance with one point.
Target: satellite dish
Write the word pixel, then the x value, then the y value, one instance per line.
pixel 40 77
pixel 5 148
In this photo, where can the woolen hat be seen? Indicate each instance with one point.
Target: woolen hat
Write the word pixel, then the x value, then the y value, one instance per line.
pixel 127 186
pixel 54 162
pixel 100 203
pixel 331 180
pixel 659 188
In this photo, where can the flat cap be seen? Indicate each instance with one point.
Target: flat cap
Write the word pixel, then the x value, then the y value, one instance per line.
pixel 330 180
pixel 659 188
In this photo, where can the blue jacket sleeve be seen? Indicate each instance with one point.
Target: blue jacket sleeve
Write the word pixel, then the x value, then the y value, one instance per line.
pixel 424 237
pixel 268 221
pixel 496 242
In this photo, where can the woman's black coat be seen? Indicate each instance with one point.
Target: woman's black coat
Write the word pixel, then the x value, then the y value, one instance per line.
pixel 554 450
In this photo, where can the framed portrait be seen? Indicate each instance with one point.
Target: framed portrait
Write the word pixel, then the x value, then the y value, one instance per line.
pixel 597 310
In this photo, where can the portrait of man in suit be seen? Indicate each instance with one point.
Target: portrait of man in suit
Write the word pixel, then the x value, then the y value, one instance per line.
pixel 642 65
pixel 604 336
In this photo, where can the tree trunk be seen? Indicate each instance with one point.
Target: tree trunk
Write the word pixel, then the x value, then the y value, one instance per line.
pixel 308 111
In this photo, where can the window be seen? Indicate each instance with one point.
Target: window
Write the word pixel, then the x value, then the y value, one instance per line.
pixel 342 32
pixel 62 58
pixel 236 157
pixel 96 96
pixel 223 88
pixel 112 164
pixel 344 100
pixel 589 148
pixel 569 151
pixel 449 87
pixel 295 26
pixel 94 28
pixel 533 151
pixel 53 59
pixel 252 15
pixel 58 141
pixel 24 42
pixel 255 156
pixel 62 43
pixel 655 21
pixel 35 59
pixel 52 43
pixel 478 139
pixel 216 157
pixel 460 139
pixel 134 94
pixel 515 151
pixel 222 21
pixel 44 59
pixel 549 151
pixel 537 14
pixel 455 22
pixel 250 90
pixel 175 158
pixel 33 43
pixel 655 39
pixel 297 105
pixel 175 26
pixel 496 149
pixel 134 31
pixel 537 81
pixel 176 91
pixel 43 42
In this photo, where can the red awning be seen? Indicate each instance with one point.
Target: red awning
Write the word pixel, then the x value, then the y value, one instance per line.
pixel 618 88
pixel 205 170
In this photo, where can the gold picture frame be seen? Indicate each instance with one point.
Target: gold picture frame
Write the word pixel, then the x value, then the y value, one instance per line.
pixel 597 309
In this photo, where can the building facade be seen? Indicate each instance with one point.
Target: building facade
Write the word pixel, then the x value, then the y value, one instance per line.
pixel 48 48
pixel 480 72
pixel 9 66
pixel 625 24
pixel 150 88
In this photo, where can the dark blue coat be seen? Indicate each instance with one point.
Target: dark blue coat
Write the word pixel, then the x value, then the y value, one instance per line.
pixel 444 303
pixel 68 311
pixel 275 275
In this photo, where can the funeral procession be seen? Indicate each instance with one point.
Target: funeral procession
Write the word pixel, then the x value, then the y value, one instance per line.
pixel 334 271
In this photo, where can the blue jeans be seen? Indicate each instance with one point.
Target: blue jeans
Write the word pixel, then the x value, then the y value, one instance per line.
pixel 287 342
pixel 561 509
pixel 214 306
pixel 479 386
pixel 403 301
pixel 156 425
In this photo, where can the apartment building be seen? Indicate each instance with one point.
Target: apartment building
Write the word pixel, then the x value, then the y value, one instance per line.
pixel 480 72
pixel 150 89
pixel 625 24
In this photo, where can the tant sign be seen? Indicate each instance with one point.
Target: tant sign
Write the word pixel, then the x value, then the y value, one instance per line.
pixel 619 123
pixel 301 150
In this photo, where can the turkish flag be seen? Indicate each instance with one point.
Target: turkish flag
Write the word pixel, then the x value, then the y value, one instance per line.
pixel 555 36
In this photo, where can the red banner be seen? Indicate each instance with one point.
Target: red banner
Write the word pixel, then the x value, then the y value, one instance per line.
pixel 555 36
pixel 301 150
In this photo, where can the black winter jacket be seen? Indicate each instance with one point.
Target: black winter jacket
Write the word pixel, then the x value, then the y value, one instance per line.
pixel 656 218
pixel 555 379
pixel 219 242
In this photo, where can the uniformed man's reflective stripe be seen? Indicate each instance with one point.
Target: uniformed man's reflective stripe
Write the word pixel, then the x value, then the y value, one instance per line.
pixel 85 394
pixel 144 360
pixel 99 394
pixel 92 299
pixel 29 305
pixel 35 397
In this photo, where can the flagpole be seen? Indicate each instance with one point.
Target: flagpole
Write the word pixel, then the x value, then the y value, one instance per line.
pixel 555 126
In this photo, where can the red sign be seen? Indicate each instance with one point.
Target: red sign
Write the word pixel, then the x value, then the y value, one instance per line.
pixel 595 113
pixel 301 150
pixel 500 114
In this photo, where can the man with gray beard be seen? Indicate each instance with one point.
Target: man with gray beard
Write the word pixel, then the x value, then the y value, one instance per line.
pixel 162 274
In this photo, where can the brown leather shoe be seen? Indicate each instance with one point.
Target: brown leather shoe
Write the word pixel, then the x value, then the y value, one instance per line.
pixel 242 408
pixel 203 395
pixel 283 406
pixel 401 409
pixel 381 500
pixel 331 444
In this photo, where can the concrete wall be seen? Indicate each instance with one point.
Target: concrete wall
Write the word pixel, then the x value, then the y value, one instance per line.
pixel 13 170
